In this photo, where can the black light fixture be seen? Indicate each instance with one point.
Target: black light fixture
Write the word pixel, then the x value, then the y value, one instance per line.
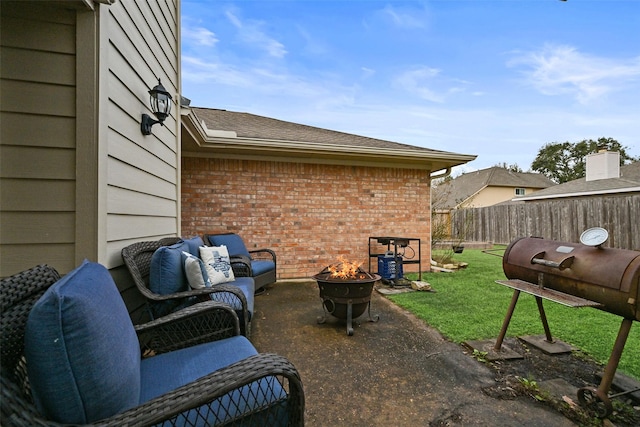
pixel 160 101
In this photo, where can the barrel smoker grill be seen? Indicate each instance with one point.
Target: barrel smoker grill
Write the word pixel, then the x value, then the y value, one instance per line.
pixel 577 275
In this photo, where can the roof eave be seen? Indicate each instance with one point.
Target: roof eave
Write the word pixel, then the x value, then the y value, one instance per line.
pixel 231 146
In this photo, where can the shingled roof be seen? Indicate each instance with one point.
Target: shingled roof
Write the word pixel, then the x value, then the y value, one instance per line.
pixel 456 191
pixel 245 134
pixel 629 181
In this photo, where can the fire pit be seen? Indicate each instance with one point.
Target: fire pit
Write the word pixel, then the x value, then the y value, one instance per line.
pixel 345 290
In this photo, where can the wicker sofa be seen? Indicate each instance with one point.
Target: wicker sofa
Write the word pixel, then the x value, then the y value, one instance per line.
pixel 260 264
pixel 70 355
pixel 145 265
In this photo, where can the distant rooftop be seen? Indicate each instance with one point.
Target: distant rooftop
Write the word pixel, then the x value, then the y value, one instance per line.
pixel 464 186
pixel 629 181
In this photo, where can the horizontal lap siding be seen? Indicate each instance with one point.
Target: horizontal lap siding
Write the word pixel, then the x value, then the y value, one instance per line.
pixel 309 214
pixel 142 172
pixel 37 158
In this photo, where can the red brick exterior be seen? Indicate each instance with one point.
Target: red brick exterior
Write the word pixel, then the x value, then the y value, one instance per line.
pixel 308 213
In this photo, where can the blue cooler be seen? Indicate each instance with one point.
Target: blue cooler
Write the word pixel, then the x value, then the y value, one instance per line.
pixel 389 266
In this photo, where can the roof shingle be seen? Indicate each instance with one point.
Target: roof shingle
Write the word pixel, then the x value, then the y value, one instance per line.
pixel 248 125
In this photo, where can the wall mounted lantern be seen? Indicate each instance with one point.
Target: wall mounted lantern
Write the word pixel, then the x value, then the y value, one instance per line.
pixel 160 101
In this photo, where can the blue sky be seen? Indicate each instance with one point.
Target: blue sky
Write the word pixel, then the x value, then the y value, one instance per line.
pixel 498 79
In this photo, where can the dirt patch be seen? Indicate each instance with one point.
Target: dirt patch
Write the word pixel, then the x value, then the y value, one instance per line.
pixel 523 378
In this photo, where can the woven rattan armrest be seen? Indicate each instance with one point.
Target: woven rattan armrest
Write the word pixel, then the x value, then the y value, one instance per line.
pixel 241 266
pixel 196 324
pixel 264 253
pixel 228 294
pixel 172 408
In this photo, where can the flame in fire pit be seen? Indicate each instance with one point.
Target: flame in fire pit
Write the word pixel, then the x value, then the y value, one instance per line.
pixel 346 270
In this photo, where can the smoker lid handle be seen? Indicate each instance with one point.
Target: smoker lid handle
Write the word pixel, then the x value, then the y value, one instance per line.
pixel 564 263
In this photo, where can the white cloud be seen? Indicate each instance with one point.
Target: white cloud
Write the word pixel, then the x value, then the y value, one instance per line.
pixel 313 46
pixel 558 69
pixel 257 84
pixel 418 82
pixel 367 72
pixel 407 18
pixel 199 36
pixel 201 71
pixel 251 33
pixel 428 83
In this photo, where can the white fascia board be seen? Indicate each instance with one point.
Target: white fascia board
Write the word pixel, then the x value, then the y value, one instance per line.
pixel 584 193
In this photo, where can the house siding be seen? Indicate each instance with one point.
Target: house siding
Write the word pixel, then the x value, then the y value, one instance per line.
pixel 308 213
pixel 141 172
pixel 492 195
pixel 38 145
pixel 79 180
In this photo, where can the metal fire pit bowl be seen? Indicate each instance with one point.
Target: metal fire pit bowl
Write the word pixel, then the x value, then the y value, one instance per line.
pixel 577 275
pixel 346 299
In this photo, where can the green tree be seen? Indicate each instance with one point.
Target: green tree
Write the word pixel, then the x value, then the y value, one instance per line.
pixel 565 161
pixel 512 168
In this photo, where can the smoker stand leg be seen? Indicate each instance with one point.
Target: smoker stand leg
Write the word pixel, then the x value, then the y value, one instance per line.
pixel 598 399
pixel 507 320
pixel 543 318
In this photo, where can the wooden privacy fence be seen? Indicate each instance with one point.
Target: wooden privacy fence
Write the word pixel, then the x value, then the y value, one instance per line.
pixel 559 219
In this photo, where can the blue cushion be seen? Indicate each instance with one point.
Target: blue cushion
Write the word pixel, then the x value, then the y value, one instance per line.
pixel 83 355
pixel 259 266
pixel 233 242
pixel 248 288
pixel 194 244
pixel 168 371
pixel 166 274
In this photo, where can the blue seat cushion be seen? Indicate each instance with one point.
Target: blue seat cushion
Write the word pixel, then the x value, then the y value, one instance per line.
pixel 260 266
pixel 165 372
pixel 83 355
pixel 248 288
pixel 233 242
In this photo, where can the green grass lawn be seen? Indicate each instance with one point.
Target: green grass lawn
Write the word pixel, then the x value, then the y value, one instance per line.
pixel 469 305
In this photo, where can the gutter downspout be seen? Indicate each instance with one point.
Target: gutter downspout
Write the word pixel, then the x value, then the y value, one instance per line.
pixel 444 174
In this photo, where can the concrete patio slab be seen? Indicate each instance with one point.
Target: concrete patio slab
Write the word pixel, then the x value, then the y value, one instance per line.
pixel 396 372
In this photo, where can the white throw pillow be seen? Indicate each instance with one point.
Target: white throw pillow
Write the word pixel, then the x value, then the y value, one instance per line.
pixel 216 261
pixel 195 271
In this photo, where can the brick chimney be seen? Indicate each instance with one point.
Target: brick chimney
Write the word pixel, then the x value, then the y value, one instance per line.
pixel 603 165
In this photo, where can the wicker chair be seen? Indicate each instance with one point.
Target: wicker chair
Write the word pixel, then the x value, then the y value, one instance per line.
pixel 137 258
pixel 226 396
pixel 261 264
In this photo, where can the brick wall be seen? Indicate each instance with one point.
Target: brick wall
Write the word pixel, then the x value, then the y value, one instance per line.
pixel 309 214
